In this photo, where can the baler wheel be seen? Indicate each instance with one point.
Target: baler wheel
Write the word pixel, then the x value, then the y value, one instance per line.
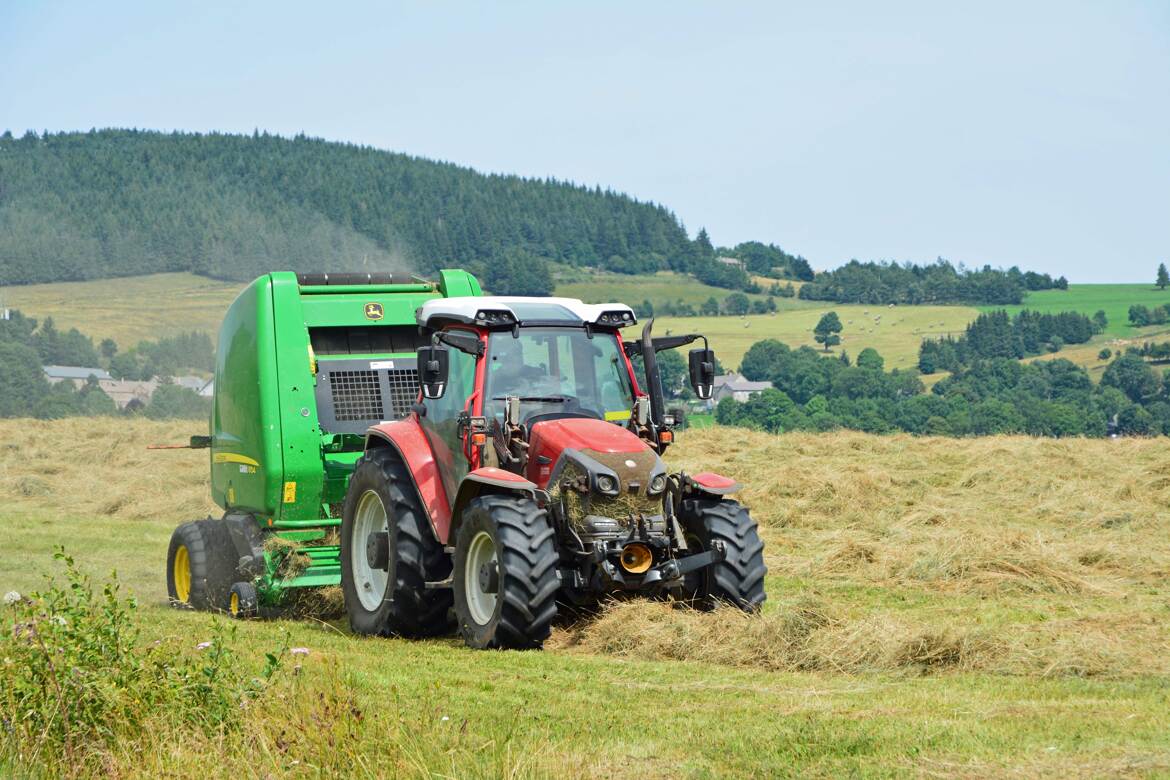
pixel 394 600
pixel 242 601
pixel 737 580
pixel 505 579
pixel 200 564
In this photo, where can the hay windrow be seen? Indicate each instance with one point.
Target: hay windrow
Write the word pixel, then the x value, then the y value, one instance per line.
pixel 1010 555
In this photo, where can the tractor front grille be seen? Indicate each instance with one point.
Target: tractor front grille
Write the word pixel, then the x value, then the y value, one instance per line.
pixel 352 395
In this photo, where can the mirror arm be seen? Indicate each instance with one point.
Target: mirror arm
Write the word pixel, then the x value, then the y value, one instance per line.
pixel 653 380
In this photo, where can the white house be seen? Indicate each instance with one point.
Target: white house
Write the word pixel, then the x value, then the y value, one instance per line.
pixel 732 385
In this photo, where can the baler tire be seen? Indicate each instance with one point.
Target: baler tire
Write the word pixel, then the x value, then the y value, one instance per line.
pixel 408 608
pixel 211 563
pixel 242 601
pixel 527 582
pixel 737 580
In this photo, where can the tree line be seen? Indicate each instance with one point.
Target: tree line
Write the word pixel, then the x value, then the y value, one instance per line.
pixel 996 334
pixel 997 395
pixel 108 203
pixel 936 283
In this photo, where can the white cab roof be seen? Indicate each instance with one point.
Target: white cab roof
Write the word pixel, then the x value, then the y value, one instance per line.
pixel 570 311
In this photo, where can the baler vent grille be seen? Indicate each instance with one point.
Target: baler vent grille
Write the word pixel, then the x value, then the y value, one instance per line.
pixel 357 395
pixel 403 390
pixel 352 395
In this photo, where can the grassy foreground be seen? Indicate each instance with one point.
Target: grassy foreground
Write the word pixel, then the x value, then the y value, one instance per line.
pixel 937 608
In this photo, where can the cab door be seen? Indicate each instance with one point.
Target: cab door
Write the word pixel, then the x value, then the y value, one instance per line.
pixel 441 422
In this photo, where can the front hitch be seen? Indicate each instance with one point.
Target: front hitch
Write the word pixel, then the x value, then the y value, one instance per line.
pixel 677 567
pixel 667 571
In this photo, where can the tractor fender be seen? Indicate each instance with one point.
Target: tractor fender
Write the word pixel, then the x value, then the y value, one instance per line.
pixel 710 482
pixel 485 481
pixel 407 438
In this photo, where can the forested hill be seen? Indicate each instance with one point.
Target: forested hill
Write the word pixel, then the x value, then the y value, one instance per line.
pixel 122 202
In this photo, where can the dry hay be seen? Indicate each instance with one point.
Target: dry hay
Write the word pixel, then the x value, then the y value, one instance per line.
pixel 101 467
pixel 291 562
pixel 1005 554
pixel 811 634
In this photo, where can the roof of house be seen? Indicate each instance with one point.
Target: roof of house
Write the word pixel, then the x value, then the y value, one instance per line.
pixel 75 372
pixel 195 383
pixel 737 384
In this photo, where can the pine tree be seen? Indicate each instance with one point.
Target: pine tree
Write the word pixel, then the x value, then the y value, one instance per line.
pixel 1163 276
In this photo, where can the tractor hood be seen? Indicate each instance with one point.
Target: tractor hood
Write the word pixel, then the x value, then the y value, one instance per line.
pixel 581 433
pixel 549 439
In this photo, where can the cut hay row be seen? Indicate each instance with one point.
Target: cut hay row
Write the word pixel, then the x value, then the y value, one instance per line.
pixel 1006 554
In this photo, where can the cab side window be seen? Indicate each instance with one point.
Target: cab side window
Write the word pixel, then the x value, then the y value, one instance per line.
pixel 460 384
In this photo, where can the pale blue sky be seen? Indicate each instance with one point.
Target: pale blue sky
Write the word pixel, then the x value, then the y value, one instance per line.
pixel 1030 133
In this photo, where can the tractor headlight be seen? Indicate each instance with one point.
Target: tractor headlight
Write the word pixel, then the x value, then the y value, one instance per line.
pixel 657 484
pixel 607 484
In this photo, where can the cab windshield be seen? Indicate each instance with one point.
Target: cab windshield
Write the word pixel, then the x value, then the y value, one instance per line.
pixel 558 371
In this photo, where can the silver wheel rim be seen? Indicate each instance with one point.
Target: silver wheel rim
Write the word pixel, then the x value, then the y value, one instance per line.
pixel 370 583
pixel 481 604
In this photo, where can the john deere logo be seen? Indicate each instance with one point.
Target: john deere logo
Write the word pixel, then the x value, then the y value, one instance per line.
pixel 373 311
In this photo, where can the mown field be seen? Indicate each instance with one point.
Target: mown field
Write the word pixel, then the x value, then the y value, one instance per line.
pixel 131 309
pixel 938 607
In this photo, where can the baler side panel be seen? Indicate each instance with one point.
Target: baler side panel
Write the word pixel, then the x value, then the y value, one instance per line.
pixel 300 434
pixel 246 463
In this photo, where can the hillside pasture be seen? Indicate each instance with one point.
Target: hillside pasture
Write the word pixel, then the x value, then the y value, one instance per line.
pixel 130 309
pixel 1113 299
pixel 658 288
pixel 896 336
pixel 980 607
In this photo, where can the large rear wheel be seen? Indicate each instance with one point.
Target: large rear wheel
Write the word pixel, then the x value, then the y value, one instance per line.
pixel 505 579
pixel 739 578
pixel 389 553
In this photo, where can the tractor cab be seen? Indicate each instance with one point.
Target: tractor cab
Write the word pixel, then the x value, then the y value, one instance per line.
pixel 537 359
pixel 530 473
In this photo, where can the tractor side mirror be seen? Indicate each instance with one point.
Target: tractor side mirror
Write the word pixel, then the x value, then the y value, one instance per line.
pixel 433 365
pixel 701 363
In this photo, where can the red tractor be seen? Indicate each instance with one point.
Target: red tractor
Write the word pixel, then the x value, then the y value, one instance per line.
pixel 529 475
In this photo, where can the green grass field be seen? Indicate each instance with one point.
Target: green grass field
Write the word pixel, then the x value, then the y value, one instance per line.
pixel 937 607
pixel 1113 299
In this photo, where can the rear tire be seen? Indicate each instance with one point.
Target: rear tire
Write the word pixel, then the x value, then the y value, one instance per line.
pixel 511 536
pixel 394 601
pixel 739 579
pixel 201 564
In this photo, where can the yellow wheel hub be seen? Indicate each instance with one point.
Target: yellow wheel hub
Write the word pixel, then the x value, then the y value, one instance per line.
pixel 234 605
pixel 181 570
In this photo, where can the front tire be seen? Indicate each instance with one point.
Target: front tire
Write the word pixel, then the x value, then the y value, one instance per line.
pixel 737 580
pixel 505 579
pixel 394 600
